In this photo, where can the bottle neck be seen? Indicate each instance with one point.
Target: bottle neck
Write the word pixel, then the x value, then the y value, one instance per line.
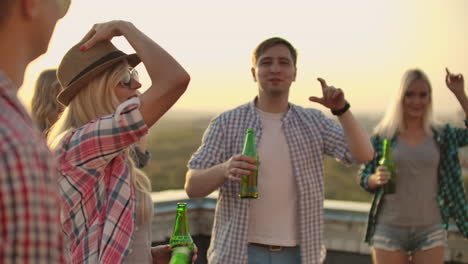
pixel 249 145
pixel 387 151
pixel 181 225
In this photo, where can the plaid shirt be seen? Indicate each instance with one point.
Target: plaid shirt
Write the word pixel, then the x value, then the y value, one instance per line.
pixel 97 194
pixel 450 194
pixel 309 135
pixel 29 204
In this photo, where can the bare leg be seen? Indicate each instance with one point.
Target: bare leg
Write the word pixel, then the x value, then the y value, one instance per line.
pixel 429 256
pixel 381 256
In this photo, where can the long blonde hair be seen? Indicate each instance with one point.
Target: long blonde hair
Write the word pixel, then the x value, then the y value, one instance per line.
pixel 45 109
pixel 392 121
pixel 95 100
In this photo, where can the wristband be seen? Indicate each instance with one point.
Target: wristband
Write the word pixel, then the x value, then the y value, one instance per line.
pixel 342 110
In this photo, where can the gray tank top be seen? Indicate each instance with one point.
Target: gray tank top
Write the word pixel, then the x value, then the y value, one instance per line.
pixel 415 200
pixel 141 246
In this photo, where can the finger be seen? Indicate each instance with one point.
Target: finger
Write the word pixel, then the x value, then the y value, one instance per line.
pixel 236 157
pixel 195 254
pixel 92 41
pixel 88 35
pixel 195 257
pixel 234 178
pixel 383 177
pixel 375 179
pixel 326 93
pixel 247 159
pixel 244 165
pixel 460 77
pixel 381 169
pixel 331 92
pixel 386 175
pixel 239 171
pixel 240 157
pixel 317 100
pixel 322 82
pixel 447 70
pixel 89 39
pixel 336 94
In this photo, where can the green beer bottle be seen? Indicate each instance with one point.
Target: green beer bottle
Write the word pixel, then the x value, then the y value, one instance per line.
pixel 248 185
pixel 387 161
pixel 180 255
pixel 181 241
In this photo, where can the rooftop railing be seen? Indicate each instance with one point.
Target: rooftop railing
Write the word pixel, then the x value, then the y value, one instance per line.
pixel 345 224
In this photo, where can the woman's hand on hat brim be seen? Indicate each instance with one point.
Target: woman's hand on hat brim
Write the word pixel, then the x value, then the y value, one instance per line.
pixel 102 31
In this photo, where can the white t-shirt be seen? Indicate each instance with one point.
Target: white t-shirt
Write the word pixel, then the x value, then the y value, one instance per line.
pixel 273 217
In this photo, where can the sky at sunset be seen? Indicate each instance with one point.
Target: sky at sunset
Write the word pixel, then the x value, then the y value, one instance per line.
pixel 361 46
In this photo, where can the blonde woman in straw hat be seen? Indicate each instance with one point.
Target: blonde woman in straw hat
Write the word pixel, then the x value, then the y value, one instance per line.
pixel 106 207
pixel 45 111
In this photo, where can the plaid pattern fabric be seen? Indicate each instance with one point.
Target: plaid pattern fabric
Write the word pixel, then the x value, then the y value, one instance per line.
pixel 97 194
pixel 29 202
pixel 451 193
pixel 309 135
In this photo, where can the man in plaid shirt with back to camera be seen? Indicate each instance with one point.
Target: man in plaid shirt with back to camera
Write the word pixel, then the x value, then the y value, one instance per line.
pixel 284 225
pixel 30 230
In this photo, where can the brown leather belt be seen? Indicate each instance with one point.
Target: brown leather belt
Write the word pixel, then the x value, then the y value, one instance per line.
pixel 271 248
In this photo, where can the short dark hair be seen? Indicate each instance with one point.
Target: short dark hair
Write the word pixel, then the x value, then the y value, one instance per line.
pixel 268 43
pixel 5 6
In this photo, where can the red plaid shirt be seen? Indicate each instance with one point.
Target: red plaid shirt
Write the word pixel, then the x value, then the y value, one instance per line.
pixel 96 190
pixel 30 230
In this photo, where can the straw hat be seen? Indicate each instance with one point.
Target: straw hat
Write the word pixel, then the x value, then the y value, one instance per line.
pixel 79 67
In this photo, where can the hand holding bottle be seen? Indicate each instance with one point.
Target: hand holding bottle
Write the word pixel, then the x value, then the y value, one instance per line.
pixel 238 165
pixel 162 254
pixel 181 242
pixel 384 174
pixel 379 178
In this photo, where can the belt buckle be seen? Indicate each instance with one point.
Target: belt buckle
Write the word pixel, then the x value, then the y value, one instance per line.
pixel 275 248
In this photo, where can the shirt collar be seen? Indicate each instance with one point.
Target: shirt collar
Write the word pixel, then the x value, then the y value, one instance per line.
pixel 285 118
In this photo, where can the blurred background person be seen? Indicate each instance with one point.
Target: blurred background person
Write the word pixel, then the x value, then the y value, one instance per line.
pixel 45 109
pixel 30 230
pixel 411 223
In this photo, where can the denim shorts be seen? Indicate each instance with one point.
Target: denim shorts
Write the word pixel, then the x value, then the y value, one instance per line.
pixel 408 239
